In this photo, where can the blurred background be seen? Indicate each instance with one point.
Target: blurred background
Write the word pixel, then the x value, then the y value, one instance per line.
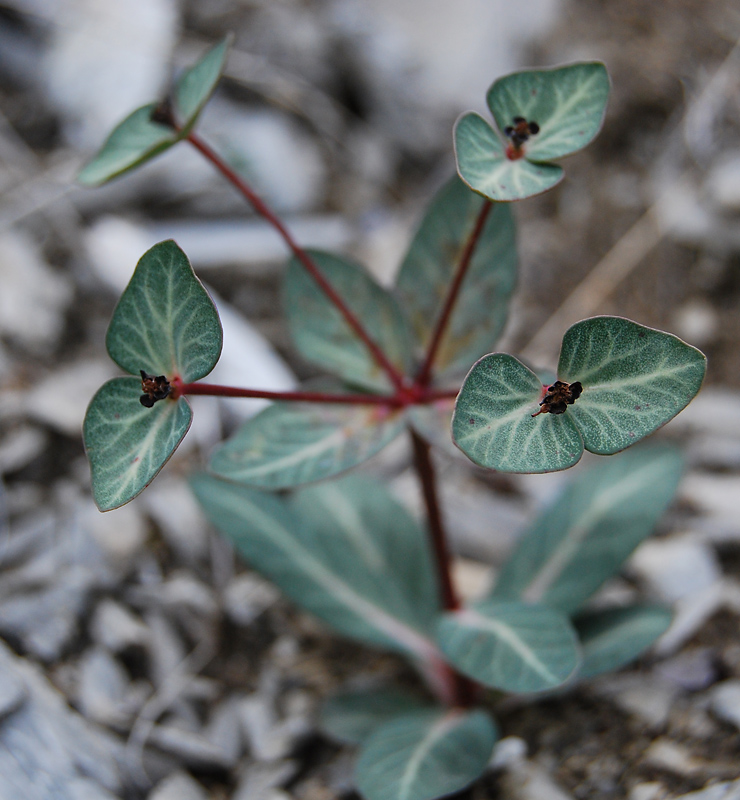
pixel 184 676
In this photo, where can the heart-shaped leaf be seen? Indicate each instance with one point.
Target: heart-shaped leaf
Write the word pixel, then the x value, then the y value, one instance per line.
pixel 430 265
pixel 128 444
pixel 165 323
pixel 320 572
pixel 138 139
pixel 634 380
pixel 357 519
pixel 289 444
pixel 511 646
pixel 493 423
pixel 351 716
pixel 611 638
pixel 322 334
pixel 567 103
pixel 585 537
pixel 483 164
pixel 425 755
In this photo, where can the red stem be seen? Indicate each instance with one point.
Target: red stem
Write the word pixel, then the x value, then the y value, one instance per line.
pixel 464 690
pixel 305 259
pixel 425 373
pixel 398 400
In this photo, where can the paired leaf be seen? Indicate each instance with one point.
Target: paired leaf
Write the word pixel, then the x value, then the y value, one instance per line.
pixel 584 538
pixel 321 332
pixel 350 717
pixel 483 165
pixel 165 323
pixel 634 378
pixel 127 444
pixel 511 646
pixel 430 265
pixel 566 103
pixel 317 568
pixel 138 139
pixel 289 444
pixel 493 423
pixel 611 638
pixel 425 755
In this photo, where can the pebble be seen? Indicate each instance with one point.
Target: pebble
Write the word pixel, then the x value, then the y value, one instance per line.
pixel 722 185
pixel 103 688
pixel 260 781
pixel 719 791
pixel 646 697
pixel 117 628
pixel 178 786
pixel 224 729
pixel 689 614
pixel 20 446
pixel 189 748
pixel 668 755
pixel 12 693
pixel 675 568
pixel 717 497
pixel 526 780
pixel 692 670
pixel 653 790
pixel 508 751
pixel 247 596
pixel 725 702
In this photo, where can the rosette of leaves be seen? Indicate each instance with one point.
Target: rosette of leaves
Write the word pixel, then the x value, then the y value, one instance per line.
pixel 155 127
pixel 165 326
pixel 540 115
pixel 634 379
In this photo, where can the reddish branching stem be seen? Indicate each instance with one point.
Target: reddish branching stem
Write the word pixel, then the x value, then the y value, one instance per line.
pixel 465 690
pixel 425 373
pixel 398 400
pixel 303 257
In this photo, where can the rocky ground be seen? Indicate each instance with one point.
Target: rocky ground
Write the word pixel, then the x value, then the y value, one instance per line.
pixel 139 658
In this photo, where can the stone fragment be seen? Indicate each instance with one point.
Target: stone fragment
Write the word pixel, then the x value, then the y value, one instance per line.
pixel 719 791
pixel 247 596
pixel 653 790
pixel 725 702
pixel 648 698
pixel 692 670
pixel 178 786
pixel 189 748
pixel 526 780
pixel 261 781
pixel 114 626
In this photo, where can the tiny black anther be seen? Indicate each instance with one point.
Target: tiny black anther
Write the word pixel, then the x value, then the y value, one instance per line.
pixel 520 131
pixel 154 388
pixel 559 396
pixel 518 120
pixel 164 114
pixel 534 128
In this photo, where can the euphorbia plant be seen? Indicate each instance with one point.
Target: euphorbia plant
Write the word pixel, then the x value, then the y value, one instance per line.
pixel 345 549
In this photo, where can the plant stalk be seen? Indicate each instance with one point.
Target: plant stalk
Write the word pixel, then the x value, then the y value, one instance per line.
pixel 425 373
pixel 303 257
pixel 463 689
pixel 398 400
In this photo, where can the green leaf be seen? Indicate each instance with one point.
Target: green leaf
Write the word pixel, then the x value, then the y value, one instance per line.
pixel 165 323
pixel 483 165
pixel 132 142
pixel 289 444
pixel 128 444
pixel 493 423
pixel 425 755
pixel 323 336
pixel 583 539
pixel 634 380
pixel 511 646
pixel 137 139
pixel 274 539
pixel 568 103
pixel 197 85
pixel 430 265
pixel 351 716
pixel 611 638
pixel 355 520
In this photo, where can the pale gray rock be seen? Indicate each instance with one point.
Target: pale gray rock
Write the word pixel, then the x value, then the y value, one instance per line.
pixel 12 693
pixel 689 614
pixel 507 752
pixel 676 568
pixel 526 780
pixel 104 692
pixel 717 497
pixel 652 790
pixel 719 791
pixel 188 747
pixel 224 729
pixel 692 670
pixel 247 596
pixel 178 786
pixel 117 628
pixel 47 750
pixel 671 756
pixel 260 781
pixel 725 702
pixel 722 185
pixel 20 446
pixel 34 297
pixel 646 697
